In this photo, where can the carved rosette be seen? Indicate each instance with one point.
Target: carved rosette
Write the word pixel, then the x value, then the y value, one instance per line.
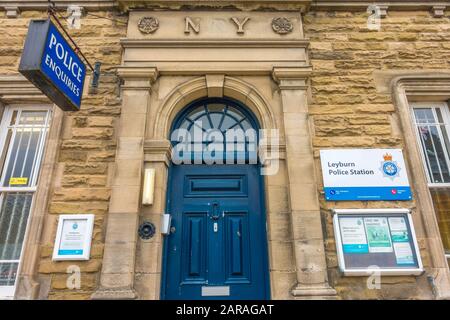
pixel 148 25
pixel 282 25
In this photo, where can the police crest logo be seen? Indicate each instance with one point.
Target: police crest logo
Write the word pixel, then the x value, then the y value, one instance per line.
pixel 389 168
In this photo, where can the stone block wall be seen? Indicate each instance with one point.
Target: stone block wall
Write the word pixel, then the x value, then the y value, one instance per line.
pixel 87 146
pixel 348 112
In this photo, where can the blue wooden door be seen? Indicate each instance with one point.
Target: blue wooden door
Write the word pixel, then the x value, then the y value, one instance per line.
pixel 218 247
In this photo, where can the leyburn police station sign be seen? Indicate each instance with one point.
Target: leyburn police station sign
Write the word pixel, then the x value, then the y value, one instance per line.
pixel 364 174
pixel 51 64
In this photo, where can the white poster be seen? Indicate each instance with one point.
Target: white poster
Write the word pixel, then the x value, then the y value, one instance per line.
pixel 353 235
pixel 364 174
pixel 403 253
pixel 73 237
pixel 399 230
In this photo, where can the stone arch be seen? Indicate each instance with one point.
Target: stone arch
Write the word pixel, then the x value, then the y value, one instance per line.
pixel 194 89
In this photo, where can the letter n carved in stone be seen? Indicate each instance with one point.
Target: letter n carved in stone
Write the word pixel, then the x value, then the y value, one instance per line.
pixel 189 24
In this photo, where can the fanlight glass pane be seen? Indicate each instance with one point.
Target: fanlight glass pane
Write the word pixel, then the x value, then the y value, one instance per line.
pixel 212 120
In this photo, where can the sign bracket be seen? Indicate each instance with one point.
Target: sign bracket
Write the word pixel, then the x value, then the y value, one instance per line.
pixel 95 70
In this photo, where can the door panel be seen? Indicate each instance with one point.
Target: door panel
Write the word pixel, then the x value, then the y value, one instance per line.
pixel 219 247
pixel 194 246
pixel 237 250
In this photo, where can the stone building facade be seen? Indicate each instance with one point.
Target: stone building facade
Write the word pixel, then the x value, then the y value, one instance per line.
pixel 313 70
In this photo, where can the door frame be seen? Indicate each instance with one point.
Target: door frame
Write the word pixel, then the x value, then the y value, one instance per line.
pixel 262 199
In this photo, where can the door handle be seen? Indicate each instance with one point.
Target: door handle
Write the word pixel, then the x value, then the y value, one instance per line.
pixel 215 211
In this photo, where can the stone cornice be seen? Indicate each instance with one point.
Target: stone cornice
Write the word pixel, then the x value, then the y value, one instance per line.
pixel 230 5
pixel 362 5
pixel 148 43
pixel 137 78
pixel 292 78
pixel 158 151
pixel 63 4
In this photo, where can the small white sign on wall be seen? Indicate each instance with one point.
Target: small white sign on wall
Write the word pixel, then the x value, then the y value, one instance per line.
pixel 73 237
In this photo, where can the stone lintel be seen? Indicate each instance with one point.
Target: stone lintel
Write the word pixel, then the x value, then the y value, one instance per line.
pixel 17 89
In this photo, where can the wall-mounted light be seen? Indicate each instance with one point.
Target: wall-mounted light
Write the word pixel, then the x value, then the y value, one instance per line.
pixel 149 186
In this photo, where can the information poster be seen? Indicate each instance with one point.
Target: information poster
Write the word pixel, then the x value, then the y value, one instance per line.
pixel 353 235
pixel 399 230
pixel 400 237
pixel 378 234
pixel 369 240
pixel 364 174
pixel 73 238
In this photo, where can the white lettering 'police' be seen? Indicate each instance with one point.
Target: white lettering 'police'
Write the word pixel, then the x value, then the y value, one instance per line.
pixel 63 55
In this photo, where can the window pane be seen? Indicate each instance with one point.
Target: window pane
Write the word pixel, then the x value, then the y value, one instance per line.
pixel 14 213
pixel 33 117
pixel 8 273
pixel 424 115
pixel 441 201
pixel 13 219
pixel 23 155
pixel 440 154
pixel 194 114
pixel 216 118
pixel 228 122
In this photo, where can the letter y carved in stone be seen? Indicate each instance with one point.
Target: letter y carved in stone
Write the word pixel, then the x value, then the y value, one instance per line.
pixel 240 24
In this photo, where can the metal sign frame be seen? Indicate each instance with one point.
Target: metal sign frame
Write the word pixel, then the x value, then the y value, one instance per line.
pixel 348 271
pixel 31 64
pixel 89 218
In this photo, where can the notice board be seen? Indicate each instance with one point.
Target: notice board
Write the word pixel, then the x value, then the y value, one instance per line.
pixel 376 240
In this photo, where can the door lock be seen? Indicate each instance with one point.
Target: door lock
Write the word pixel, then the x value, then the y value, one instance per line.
pixel 215 211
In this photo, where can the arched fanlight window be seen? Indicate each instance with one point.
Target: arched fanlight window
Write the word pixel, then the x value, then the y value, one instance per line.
pixel 215 131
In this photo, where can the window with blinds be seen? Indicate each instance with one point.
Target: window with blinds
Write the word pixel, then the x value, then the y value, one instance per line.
pixel 23 133
pixel 432 122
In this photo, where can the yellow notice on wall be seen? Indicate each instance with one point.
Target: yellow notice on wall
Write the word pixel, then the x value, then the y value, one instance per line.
pixel 18 181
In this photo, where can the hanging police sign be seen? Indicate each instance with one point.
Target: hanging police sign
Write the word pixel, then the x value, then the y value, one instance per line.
pixel 364 174
pixel 51 64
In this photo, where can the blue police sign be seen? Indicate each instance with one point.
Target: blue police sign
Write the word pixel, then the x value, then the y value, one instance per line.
pixel 51 64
